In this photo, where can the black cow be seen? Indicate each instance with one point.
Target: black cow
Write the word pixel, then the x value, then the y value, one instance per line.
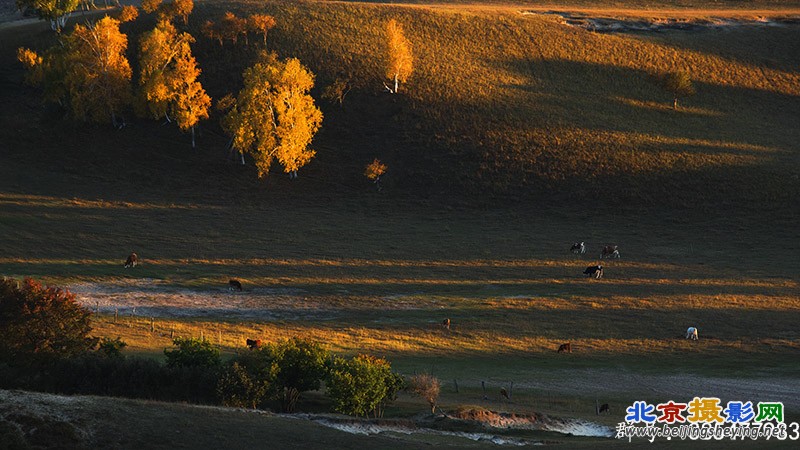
pixel 234 285
pixel 132 260
pixel 565 348
pixel 609 251
pixel 603 408
pixel 446 323
pixel 596 271
pixel 253 343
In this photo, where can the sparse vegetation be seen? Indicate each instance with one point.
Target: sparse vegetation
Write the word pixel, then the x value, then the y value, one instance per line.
pixel 426 386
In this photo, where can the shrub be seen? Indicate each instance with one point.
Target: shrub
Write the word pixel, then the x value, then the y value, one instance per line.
pixel 111 348
pixel 426 386
pixel 240 388
pixel 362 385
pixel 192 352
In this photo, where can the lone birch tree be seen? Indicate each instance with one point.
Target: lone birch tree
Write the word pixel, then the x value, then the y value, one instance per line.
pixel 401 61
pixel 169 77
pixel 273 117
pixel 679 84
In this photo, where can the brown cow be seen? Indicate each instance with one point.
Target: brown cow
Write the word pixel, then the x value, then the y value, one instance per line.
pixel 132 260
pixel 446 323
pixel 253 343
pixel 565 348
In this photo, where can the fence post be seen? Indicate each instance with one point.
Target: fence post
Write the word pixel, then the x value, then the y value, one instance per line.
pixel 116 314
pixel 152 325
pixel 455 382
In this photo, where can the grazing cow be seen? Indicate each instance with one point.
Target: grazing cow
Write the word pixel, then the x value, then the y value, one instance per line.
pixel 578 248
pixel 609 251
pixel 596 271
pixel 234 284
pixel 691 333
pixel 132 260
pixel 603 408
pixel 504 393
pixel 565 348
pixel 446 323
pixel 253 343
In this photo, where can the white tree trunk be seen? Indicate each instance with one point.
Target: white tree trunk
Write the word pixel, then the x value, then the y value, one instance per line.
pixel 193 146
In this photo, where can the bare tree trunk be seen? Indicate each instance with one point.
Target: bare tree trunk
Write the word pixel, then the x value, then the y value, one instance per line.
pixel 396 83
pixel 193 143
pixel 675 103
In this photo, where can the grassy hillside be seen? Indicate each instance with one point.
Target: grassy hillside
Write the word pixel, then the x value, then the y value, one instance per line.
pixel 542 110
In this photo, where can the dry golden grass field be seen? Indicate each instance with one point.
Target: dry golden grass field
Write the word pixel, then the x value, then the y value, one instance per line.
pixel 516 136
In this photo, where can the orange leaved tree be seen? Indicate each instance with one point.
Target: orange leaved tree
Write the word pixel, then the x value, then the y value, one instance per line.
pixel 273 117
pixel 168 80
pixel 98 74
pixel 261 23
pixel 400 61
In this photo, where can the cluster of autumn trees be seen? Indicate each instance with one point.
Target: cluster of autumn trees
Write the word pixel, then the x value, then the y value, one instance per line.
pixel 273 119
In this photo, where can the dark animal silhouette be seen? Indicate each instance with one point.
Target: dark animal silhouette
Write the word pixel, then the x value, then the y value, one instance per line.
pixel 609 251
pixel 565 348
pixel 234 285
pixel 603 408
pixel 504 393
pixel 446 323
pixel 253 343
pixel 132 260
pixel 595 271
pixel 578 248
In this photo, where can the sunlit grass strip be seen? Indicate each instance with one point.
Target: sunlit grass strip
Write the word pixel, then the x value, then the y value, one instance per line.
pixel 426 341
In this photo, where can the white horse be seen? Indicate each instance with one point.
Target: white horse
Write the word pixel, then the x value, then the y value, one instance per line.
pixel 691 333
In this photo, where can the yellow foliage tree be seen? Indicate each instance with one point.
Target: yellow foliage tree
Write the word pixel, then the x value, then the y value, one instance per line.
pixel 261 23
pixel 374 171
pixel 169 77
pixel 128 13
pixel 97 72
pixel 274 118
pixel 55 11
pixel 401 61
pixel 150 6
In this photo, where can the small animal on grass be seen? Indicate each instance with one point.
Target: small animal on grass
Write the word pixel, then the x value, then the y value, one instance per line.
pixel 578 248
pixel 565 348
pixel 504 393
pixel 234 285
pixel 609 251
pixel 132 260
pixel 595 271
pixel 603 408
pixel 691 333
pixel 446 323
pixel 253 343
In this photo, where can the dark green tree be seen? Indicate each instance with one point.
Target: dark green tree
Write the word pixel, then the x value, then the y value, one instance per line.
pixel 296 366
pixel 362 385
pixel 192 352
